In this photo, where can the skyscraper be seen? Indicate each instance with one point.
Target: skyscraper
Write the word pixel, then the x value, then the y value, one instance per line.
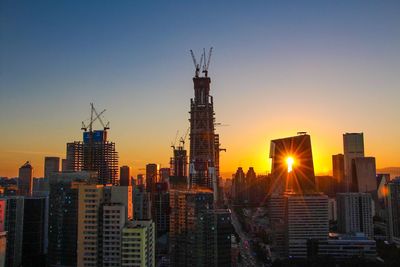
pixel 160 208
pixel 51 164
pixel 138 244
pixel 63 217
pixel 338 171
pixel 363 175
pixel 204 146
pixel 25 179
pixel 186 209
pixel 125 176
pixel 393 207
pixel 294 152
pixel 354 213
pixel 239 188
pixel 306 218
pixel 353 147
pixel 95 153
pixel 152 170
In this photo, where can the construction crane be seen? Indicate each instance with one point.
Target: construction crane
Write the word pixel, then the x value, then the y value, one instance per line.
pixel 206 65
pixel 174 142
pixel 93 112
pixel 196 65
pixel 183 138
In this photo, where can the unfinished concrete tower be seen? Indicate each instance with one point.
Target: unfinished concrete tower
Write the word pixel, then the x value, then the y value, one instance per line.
pixel 204 153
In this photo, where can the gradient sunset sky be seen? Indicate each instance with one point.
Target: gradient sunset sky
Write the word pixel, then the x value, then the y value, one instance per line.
pixel 278 67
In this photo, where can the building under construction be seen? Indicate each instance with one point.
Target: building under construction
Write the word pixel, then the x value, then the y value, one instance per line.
pixel 95 152
pixel 204 143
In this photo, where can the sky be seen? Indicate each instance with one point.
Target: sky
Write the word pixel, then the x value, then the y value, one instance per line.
pixel 278 67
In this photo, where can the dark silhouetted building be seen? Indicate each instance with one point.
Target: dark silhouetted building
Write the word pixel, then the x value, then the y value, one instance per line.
pixel 125 176
pixel 151 176
pixel 353 147
pixel 301 178
pixel 160 208
pixel 51 165
pixel 25 179
pixel 338 171
pixel 393 207
pixel 364 175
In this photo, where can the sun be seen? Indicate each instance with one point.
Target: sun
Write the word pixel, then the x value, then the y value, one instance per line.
pixel 290 162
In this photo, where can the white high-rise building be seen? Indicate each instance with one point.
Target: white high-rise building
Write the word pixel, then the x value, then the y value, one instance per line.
pixel 306 218
pixel 355 213
pixel 353 147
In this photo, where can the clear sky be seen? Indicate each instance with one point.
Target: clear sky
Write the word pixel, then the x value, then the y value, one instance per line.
pixel 325 67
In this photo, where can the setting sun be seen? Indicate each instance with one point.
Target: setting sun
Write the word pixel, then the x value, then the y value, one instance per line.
pixel 290 162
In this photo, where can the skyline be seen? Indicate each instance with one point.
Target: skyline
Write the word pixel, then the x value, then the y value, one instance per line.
pixel 344 72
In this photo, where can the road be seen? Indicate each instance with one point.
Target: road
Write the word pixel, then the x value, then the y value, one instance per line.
pixel 248 260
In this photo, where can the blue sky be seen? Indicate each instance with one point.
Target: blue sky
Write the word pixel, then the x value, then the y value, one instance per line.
pixel 326 67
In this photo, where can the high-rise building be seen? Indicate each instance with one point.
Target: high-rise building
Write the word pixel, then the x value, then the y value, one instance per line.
pixel 364 175
pixel 252 187
pixel 306 218
pixel 14 222
pixel 51 164
pixel 95 153
pixel 213 236
pixel 25 179
pixel 338 171
pixel 35 231
pixel 160 208
pixel 354 212
pixel 90 200
pixel 152 170
pixel 239 188
pixel 178 163
pixel 164 175
pixel 3 245
pixel 114 219
pixel 141 203
pixel 186 209
pixel 63 217
pixel 204 143
pixel 393 207
pixel 125 176
pixel 292 165
pixel 64 165
pixel 353 147
pixel 138 244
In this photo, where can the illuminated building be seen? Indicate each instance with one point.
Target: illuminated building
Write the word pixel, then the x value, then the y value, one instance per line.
pixel 353 147
pixel 292 165
pixel 3 245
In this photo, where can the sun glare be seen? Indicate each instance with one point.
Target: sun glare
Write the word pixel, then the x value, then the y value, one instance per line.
pixel 289 162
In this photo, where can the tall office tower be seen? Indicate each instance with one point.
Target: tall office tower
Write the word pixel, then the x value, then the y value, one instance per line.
pixel 125 176
pixel 63 217
pixel 14 227
pixel 51 164
pixel 252 187
pixel 294 153
pixel 164 175
pixel 354 212
pixel 25 179
pixel 353 147
pixel 393 207
pixel 160 208
pixel 338 171
pixel 121 195
pixel 64 165
pixel 151 176
pixel 138 244
pixel 306 218
pixel 3 245
pixel 213 235
pixel 140 179
pixel 186 209
pixel 178 167
pixel 113 221
pixel 239 184
pixel 89 202
pixel 364 175
pixel 204 145
pixel 35 231
pixel 326 184
pixel 141 203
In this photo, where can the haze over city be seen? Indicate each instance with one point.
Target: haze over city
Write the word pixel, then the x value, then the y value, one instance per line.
pixel 277 68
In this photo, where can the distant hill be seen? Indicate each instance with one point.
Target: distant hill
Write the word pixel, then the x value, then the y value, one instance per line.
pixel 393 171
